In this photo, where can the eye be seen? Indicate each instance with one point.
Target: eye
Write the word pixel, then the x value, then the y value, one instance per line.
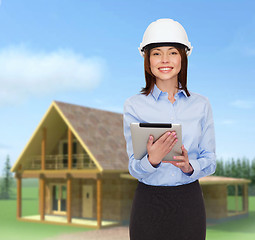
pixel 173 53
pixel 155 53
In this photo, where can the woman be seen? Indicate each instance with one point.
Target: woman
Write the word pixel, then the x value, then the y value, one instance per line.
pixel 168 202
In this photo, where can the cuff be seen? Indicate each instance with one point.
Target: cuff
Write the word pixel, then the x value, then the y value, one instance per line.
pixel 146 165
pixel 196 166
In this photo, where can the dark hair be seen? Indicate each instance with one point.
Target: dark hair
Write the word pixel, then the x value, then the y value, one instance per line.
pixel 150 79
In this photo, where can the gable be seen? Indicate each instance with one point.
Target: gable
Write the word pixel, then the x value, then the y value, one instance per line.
pixel 56 136
pixel 99 133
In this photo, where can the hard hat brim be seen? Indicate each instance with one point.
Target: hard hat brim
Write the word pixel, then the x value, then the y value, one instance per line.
pixel 163 44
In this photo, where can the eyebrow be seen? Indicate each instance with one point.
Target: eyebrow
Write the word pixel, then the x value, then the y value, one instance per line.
pixel 167 49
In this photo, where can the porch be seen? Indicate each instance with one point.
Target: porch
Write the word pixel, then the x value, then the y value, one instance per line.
pixel 91 223
pixel 65 201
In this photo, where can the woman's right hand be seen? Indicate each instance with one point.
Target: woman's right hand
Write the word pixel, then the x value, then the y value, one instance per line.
pixel 159 149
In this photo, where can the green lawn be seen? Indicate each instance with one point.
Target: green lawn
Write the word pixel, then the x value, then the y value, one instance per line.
pixel 11 229
pixel 232 203
pixel 243 229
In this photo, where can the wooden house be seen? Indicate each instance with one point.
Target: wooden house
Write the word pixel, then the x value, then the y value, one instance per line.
pixel 79 156
pixel 225 198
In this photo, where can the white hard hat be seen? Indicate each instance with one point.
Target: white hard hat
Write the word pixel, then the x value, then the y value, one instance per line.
pixel 165 31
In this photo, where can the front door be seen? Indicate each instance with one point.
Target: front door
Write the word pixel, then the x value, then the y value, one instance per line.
pixel 87 201
pixel 59 195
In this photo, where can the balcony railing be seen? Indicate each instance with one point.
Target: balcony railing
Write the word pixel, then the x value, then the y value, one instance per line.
pixel 60 161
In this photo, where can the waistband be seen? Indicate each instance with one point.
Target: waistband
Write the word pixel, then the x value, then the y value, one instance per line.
pixel 185 187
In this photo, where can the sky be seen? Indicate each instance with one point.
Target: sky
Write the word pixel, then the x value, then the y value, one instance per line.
pixel 86 53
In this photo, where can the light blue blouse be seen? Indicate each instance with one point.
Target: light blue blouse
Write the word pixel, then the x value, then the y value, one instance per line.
pixel 194 114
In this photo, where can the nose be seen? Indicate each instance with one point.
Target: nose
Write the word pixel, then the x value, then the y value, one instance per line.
pixel 165 58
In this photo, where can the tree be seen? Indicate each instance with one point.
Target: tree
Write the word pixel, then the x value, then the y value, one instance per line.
pixel 220 168
pixel 227 168
pixel 6 180
pixel 252 171
pixel 245 168
pixel 239 170
pixel 233 169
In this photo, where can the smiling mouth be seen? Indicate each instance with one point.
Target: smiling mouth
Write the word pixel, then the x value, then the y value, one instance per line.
pixel 165 68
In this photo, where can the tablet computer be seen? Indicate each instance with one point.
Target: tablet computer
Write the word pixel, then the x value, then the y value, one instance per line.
pixel 140 133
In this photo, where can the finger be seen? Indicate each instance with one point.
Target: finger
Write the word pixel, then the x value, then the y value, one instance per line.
pixel 170 139
pixel 150 141
pixel 168 148
pixel 180 164
pixel 170 161
pixel 164 136
pixel 172 136
pixel 173 162
pixel 176 163
pixel 184 151
pixel 179 158
pixel 171 144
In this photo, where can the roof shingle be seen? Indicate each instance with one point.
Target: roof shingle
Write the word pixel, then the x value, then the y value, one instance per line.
pixel 101 131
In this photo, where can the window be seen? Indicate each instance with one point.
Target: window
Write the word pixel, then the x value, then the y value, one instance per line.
pixel 59 195
pixel 64 151
pixel 235 199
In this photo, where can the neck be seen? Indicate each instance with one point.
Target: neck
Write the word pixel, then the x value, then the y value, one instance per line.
pixel 171 87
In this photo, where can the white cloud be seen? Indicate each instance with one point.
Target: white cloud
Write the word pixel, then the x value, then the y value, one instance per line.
pixel 243 104
pixel 24 73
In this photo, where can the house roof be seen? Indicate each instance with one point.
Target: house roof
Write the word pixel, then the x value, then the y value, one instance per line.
pixel 99 132
pixel 210 180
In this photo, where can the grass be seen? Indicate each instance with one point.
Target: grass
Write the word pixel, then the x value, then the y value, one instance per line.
pixel 232 203
pixel 30 201
pixel 12 229
pixel 243 229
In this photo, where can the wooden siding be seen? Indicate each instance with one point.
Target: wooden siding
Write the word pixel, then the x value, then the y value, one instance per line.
pixel 116 197
pixel 77 198
pixel 215 197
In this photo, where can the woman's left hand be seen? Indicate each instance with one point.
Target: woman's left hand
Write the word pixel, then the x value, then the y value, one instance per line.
pixel 183 162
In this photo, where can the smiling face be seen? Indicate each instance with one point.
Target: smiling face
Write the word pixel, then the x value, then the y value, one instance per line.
pixel 165 63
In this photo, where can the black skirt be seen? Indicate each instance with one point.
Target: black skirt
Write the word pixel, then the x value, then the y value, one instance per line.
pixel 168 213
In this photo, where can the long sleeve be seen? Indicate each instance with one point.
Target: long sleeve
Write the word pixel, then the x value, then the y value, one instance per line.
pixel 205 164
pixel 138 168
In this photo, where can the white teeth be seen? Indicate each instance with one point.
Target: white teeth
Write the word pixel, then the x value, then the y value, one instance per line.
pixel 164 69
